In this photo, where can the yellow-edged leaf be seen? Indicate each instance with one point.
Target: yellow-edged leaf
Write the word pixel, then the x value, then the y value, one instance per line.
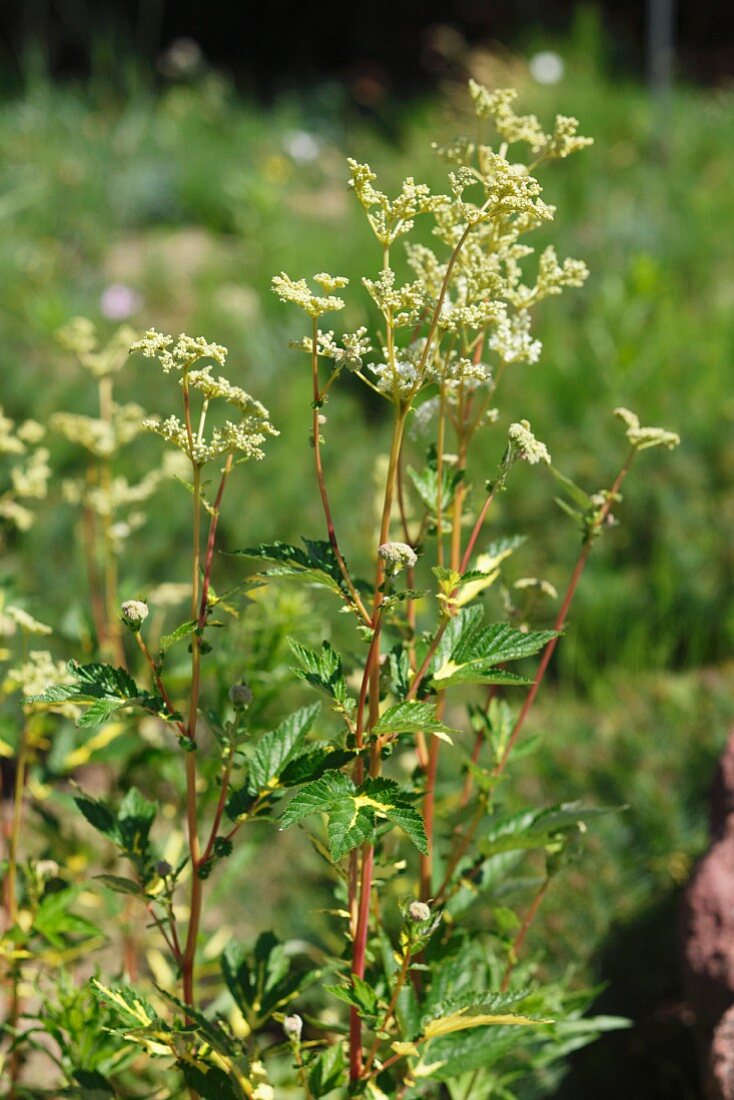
pixel 460 1021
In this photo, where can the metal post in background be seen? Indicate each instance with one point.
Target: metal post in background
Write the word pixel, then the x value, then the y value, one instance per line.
pixel 661 65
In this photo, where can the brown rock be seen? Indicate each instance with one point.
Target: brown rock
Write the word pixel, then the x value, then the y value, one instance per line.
pixel 721 1060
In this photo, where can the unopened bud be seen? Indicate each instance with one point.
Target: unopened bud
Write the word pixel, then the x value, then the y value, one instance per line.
pixel 418 911
pixel 293 1026
pixel 240 696
pixel 47 868
pixel 133 614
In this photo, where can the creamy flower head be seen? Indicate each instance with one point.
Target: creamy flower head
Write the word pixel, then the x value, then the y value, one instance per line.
pixel 179 356
pixel 418 911
pixel 298 292
pixel 641 438
pixel 26 622
pixel 526 446
pixel 134 613
pixel 397 556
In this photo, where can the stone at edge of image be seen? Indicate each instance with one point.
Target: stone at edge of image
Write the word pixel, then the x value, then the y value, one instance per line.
pixel 707 939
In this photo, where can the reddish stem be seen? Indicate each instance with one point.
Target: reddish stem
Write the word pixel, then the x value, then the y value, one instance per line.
pixel 522 933
pixel 562 614
pixel 475 533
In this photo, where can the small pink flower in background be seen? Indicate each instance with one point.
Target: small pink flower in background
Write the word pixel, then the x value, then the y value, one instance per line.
pixel 118 302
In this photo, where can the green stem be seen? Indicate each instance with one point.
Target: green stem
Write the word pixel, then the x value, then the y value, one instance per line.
pixel 331 531
pixel 390 1011
pixel 14 839
pixel 112 630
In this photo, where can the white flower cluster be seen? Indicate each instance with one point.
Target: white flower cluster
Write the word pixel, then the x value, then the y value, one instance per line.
pixel 475 294
pixel 397 380
pixel 245 438
pixel 212 388
pixel 642 438
pixel 552 278
pixel 13 617
pixel 390 219
pixel 402 304
pixel 134 613
pixel 397 556
pixel 183 354
pixel 525 446
pixel 346 354
pixel 29 477
pixel 37 674
pixel 298 292
pixel 497 105
pixel 101 438
pixel 513 340
pixel 419 912
pixel 79 336
pixel 453 371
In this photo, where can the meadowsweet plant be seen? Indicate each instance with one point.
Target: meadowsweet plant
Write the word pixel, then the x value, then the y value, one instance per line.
pixel 396 781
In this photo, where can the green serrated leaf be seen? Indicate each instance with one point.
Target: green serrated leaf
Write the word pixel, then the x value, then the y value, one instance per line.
pixel 323 668
pixel 314 563
pixel 183 631
pixel 134 820
pixel 350 824
pixel 327 1071
pixel 312 764
pixel 240 802
pixel 108 689
pixel 99 816
pixel 360 994
pixel 209 1082
pixel 426 482
pixel 54 921
pixel 317 797
pixel 412 717
pixel 277 749
pixel 352 811
pixel 126 1003
pixel 121 885
pixel 535 829
pixel 391 802
pixel 470 652
pixel 264 980
pixel 98 713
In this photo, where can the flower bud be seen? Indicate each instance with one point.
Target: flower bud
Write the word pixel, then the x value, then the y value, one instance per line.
pixel 133 614
pixel 47 868
pixel 240 696
pixel 418 911
pixel 293 1026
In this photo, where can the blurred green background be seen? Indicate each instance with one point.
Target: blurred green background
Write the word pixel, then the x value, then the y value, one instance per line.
pixel 170 200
